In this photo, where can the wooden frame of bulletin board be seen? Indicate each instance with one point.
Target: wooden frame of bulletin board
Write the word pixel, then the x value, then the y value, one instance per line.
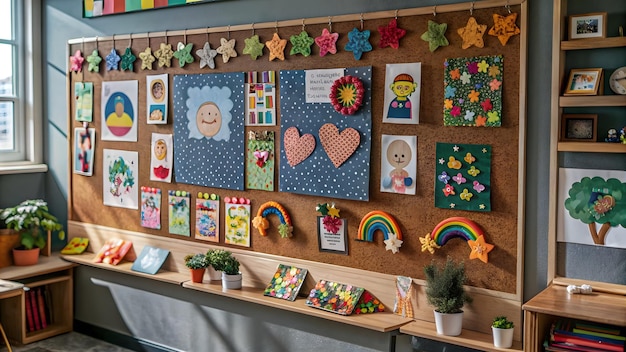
pixel 416 214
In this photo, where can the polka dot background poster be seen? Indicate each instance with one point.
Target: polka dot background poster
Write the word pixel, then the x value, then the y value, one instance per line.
pixel 209 143
pixel 316 174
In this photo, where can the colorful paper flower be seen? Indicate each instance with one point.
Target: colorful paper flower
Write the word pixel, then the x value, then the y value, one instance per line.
pixel 494 84
pixel 453 163
pixel 473 171
pixel 94 61
pixel 444 177
pixel 331 224
pixel 447 104
pixel 493 117
pixel 164 55
pixel 390 34
pixel 481 120
pixel 494 71
pixel 448 190
pixel 358 43
pixel 469 158
pixel 487 105
pixel 465 78
pixel 301 44
pixel 183 54
pixel 478 187
pixel 472 67
pixel 276 47
pixel 436 35
pixel 429 244
pixel 456 111
pixel 346 94
pixel 483 66
pixel 450 92
pixel 469 115
pixel 466 195
pixel 207 56
pixel 112 60
pixel 473 96
pixel 455 74
pixel 147 59
pixel 128 60
pixel 253 47
pixel 459 179
pixel 327 42
pixel 76 61
pixel 227 49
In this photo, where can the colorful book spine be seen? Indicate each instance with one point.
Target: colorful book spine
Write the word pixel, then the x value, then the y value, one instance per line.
pixel 42 308
pixel 34 309
pixel 578 341
pixel 29 313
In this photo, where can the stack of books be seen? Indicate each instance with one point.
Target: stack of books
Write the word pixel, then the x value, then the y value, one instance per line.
pixel 576 335
pixel 38 312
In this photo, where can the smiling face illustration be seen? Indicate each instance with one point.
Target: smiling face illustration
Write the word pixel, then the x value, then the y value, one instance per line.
pixel 160 149
pixel 399 154
pixel 208 119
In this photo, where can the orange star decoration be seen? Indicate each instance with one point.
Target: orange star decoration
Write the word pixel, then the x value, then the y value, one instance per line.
pixel 472 34
pixel 480 249
pixel 277 47
pixel 504 27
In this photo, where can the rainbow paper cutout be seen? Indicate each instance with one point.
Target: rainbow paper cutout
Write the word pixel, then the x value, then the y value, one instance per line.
pixel 460 227
pixel 378 220
pixel 260 222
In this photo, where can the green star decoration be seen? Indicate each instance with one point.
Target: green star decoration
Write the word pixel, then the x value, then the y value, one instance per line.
pixel 322 209
pixel 301 44
pixel 435 36
pixel 253 47
pixel 94 61
pixel 127 60
pixel 183 54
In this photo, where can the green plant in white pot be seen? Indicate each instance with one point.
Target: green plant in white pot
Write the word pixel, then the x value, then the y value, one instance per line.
pixel 502 329
pixel 229 266
pixel 214 257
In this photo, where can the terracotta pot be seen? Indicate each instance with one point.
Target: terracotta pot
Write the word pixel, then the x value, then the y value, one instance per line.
pixel 22 257
pixel 197 275
pixel 9 239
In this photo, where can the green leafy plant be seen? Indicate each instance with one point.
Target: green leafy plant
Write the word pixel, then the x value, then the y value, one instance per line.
pixel 444 290
pixel 227 263
pixel 216 256
pixel 196 261
pixel 501 322
pixel 29 218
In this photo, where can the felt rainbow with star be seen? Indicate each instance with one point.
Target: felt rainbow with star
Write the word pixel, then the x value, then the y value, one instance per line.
pixel 378 220
pixel 260 222
pixel 458 227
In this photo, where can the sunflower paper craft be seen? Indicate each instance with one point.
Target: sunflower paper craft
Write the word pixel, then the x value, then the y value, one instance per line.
pixel 346 94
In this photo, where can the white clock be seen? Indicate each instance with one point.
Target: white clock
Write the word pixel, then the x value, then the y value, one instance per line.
pixel 617 81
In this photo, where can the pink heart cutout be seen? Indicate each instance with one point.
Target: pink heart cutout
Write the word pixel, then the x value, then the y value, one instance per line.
pixel 297 148
pixel 339 146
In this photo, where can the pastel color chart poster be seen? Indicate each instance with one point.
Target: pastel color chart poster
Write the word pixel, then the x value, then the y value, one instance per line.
pixel 120 171
pixel 237 224
pixel 261 98
pixel 179 213
pixel 209 140
pixel 313 162
pixel 119 111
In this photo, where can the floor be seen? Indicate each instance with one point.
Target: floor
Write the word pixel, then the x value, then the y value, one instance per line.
pixel 70 342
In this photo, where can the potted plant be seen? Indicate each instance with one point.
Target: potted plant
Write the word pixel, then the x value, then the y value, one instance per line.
pixel 29 218
pixel 229 266
pixel 446 293
pixel 197 264
pixel 214 257
pixel 502 329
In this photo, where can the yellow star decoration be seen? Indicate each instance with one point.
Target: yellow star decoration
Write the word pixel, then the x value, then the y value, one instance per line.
pixel 146 59
pixel 332 211
pixel 277 47
pixel 164 55
pixel 504 27
pixel 480 249
pixel 227 49
pixel 428 244
pixel 392 243
pixel 472 34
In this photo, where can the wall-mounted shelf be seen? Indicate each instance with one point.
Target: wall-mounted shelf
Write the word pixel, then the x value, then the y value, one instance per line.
pixel 592 100
pixel 586 147
pixel 593 43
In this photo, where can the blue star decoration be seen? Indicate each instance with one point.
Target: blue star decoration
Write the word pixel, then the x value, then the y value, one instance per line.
pixel 112 60
pixel 183 54
pixel 127 60
pixel 358 42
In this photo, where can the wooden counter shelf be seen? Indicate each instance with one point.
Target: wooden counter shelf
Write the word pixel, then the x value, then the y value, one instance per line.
pixel 46 265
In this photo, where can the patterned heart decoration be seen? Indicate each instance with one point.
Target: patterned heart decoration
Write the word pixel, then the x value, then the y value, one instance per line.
pixel 297 148
pixel 339 146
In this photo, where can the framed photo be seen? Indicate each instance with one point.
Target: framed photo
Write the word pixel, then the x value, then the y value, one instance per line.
pixel 332 234
pixel 588 25
pixel 585 81
pixel 579 128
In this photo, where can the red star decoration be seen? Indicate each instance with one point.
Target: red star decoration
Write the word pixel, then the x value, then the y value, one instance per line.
pixel 327 42
pixel 390 35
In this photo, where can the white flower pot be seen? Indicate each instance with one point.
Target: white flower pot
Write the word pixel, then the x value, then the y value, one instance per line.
pixel 231 282
pixel 214 275
pixel 502 338
pixel 449 324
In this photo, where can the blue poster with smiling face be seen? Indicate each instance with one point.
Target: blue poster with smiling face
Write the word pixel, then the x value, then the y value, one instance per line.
pixel 209 130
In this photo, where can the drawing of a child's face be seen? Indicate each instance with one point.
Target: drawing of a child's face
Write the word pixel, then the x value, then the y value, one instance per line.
pixel 160 149
pixel 209 119
pixel 403 89
pixel 399 154
pixel 157 90
pixel 119 108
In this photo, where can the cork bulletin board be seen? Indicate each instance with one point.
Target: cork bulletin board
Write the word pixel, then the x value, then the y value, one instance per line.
pixel 415 214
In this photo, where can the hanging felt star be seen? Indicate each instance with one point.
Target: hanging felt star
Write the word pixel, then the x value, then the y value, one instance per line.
pixel 322 209
pixel 504 27
pixel 94 61
pixel 333 211
pixel 227 49
pixel 164 55
pixel 128 59
pixel 480 249
pixel 112 60
pixel 207 56
pixel 277 47
pixel 301 44
pixel 435 36
pixel 390 35
pixel 146 59
pixel 392 243
pixel 253 47
pixel 327 42
pixel 183 54
pixel 472 34
pixel 358 42
pixel 76 61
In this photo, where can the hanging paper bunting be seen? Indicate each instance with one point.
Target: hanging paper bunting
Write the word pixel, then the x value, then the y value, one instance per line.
pixel 390 35
pixel 472 34
pixel 112 60
pixel 435 36
pixel 128 59
pixel 277 47
pixel 504 27
pixel 164 54
pixel 358 42
pixel 301 44
pixel 227 49
pixel 327 42
pixel 207 56
pixel 253 47
pixel 147 59
pixel 94 61
pixel 183 54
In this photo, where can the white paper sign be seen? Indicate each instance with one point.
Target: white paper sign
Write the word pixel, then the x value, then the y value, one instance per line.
pixel 318 83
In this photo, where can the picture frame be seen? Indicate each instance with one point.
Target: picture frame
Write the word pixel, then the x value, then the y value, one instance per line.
pixel 332 242
pixel 588 25
pixel 579 127
pixel 584 81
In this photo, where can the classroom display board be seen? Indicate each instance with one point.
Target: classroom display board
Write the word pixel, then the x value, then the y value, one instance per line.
pixel 377 144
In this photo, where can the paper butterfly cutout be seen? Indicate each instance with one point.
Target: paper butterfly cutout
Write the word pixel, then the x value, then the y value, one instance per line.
pixel 478 187
pixel 473 171
pixel 453 163
pixel 459 179
pixel 469 158
pixel 466 195
pixel 444 177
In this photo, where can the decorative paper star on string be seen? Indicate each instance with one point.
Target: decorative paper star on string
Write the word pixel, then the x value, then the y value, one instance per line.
pixel 76 61
pixel 164 54
pixel 436 35
pixel 253 47
pixel 183 54
pixel 358 42
pixel 327 42
pixel 390 35
pixel 227 49
pixel 480 249
pixel 112 60
pixel 392 243
pixel 322 209
pixel 301 44
pixel 472 34
pixel 277 47
pixel 147 59
pixel 333 211
pixel 504 27
pixel 94 61
pixel 128 59
pixel 207 56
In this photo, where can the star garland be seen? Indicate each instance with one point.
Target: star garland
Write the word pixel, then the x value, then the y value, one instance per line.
pixel 76 61
pixel 504 27
pixel 112 60
pixel 94 61
pixel 390 35
pixel 327 42
pixel 207 56
pixel 277 47
pixel 147 59
pixel 435 36
pixel 128 59
pixel 253 47
pixel 183 54
pixel 358 42
pixel 472 34
pixel 227 49
pixel 301 44
pixel 164 55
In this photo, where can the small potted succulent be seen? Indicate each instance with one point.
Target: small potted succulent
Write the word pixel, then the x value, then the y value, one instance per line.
pixel 215 256
pixel 197 264
pixel 229 266
pixel 502 329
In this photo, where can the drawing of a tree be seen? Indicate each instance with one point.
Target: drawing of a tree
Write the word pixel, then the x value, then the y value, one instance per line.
pixel 595 200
